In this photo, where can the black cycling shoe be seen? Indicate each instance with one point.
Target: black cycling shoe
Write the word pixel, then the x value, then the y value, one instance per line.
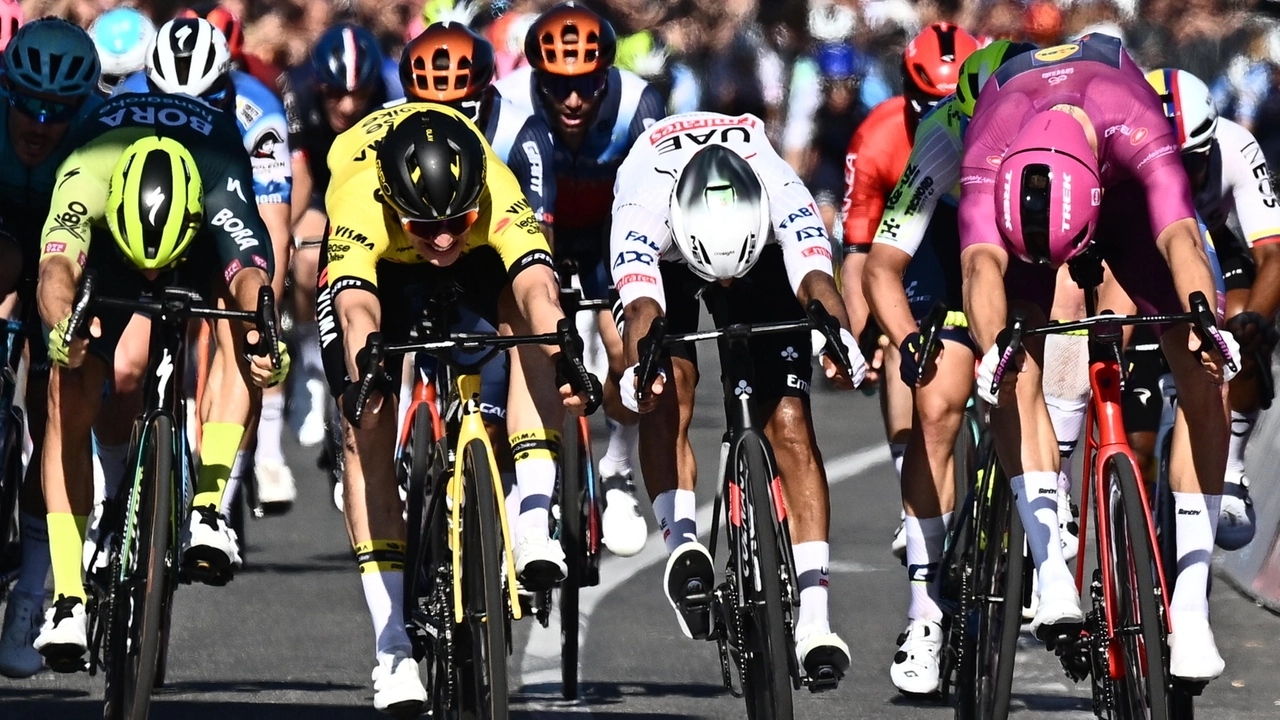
pixel 690 578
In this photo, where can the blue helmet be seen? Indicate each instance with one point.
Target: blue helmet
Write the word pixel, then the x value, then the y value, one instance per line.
pixel 838 62
pixel 52 56
pixel 122 35
pixel 347 57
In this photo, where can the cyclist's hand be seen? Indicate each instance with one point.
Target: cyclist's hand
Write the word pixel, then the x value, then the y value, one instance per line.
pixel 1211 359
pixel 627 386
pixel 908 363
pixel 574 403
pixel 1248 329
pixel 262 371
pixel 857 363
pixel 987 374
pixel 71 355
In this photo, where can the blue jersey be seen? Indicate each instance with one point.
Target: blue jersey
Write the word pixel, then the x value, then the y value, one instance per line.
pixel 25 192
pixel 261 122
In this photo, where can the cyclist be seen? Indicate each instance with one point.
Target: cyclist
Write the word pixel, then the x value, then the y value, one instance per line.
pixel 432 204
pixel 233 29
pixel 123 36
pixel 1229 177
pixel 917 246
pixel 596 111
pixel 162 172
pixel 191 56
pixel 705 206
pixel 322 99
pixel 46 98
pixel 1031 187
pixel 876 159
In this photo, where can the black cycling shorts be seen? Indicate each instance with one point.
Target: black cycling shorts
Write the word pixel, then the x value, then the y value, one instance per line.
pixel 782 361
pixel 479 278
pixel 1141 401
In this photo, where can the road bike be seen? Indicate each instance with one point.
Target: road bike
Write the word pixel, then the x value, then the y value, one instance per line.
pixel 1123 646
pixel 14 334
pixel 137 564
pixel 752 610
pixel 460 584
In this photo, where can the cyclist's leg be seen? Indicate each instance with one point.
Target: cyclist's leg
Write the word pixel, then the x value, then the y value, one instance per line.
pixel 1066 393
pixel 309 386
pixel 275 480
pixel 1142 401
pixel 1237 526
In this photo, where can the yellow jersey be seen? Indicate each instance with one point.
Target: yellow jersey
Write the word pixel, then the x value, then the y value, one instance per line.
pixel 363 230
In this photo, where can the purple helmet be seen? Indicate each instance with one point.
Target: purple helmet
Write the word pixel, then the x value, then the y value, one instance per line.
pixel 1048 193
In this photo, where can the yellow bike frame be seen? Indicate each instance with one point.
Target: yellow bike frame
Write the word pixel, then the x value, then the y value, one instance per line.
pixel 472 428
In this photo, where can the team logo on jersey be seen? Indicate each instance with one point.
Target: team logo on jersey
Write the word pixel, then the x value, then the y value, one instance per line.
pixel 246 111
pixel 994 160
pixel 1057 52
pixel 266 145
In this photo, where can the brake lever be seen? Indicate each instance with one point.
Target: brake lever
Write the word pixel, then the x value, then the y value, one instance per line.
pixel 930 337
pixel 368 376
pixel 78 323
pixel 268 329
pixel 1016 329
pixel 822 321
pixel 577 375
pixel 1206 327
pixel 650 347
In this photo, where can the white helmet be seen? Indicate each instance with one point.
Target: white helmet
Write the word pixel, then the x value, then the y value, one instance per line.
pixel 190 57
pixel 1189 106
pixel 719 214
pixel 831 22
pixel 122 36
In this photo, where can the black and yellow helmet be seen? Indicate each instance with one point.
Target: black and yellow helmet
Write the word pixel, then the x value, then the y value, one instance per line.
pixel 431 165
pixel 156 202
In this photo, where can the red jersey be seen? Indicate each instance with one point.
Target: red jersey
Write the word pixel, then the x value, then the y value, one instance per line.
pixel 876 159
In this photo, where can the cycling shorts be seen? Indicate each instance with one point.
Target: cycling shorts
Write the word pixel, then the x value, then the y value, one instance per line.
pixel 403 290
pixel 1140 400
pixel 587 248
pixel 1238 268
pixel 782 361
pixel 933 275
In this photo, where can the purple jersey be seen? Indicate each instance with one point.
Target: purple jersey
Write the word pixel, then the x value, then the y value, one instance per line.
pixel 1135 141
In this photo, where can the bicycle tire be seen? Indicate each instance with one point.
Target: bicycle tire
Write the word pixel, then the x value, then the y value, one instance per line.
pixel 1133 571
pixel 482 587
pixel 959 576
pixel 417 498
pixel 147 582
pixel 999 621
pixel 571 541
pixel 766 652
pixel 1164 514
pixel 10 486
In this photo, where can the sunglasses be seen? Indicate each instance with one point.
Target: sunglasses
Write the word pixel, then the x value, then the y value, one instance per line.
pixel 560 87
pixel 41 110
pixel 456 225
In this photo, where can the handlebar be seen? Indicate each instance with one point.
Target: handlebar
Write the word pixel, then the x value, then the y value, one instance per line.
pixel 817 318
pixel 1201 316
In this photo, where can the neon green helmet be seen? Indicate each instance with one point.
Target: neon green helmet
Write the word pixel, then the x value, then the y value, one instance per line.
pixel 156 202
pixel 980 66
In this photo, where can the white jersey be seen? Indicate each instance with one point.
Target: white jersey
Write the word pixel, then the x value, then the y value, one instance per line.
pixel 1239 182
pixel 640 235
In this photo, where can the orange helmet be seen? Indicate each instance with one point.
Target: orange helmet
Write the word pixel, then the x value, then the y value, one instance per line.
pixel 224 20
pixel 570 39
pixel 1042 22
pixel 446 63
pixel 931 63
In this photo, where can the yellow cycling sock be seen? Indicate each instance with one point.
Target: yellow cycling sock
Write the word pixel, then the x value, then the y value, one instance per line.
pixel 217 455
pixel 66 551
pixel 540 444
pixel 374 556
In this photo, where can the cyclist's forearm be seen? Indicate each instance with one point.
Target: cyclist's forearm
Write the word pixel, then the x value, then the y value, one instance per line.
pixel 1264 298
pixel 276 217
pixel 1183 250
pixel 820 286
pixel 244 287
pixel 637 316
pixel 985 303
pixel 359 314
pixel 57 288
pixel 887 299
pixel 537 294
pixel 855 302
pixel 302 187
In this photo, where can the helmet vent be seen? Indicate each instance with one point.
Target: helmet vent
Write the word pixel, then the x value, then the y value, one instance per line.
pixel 924 75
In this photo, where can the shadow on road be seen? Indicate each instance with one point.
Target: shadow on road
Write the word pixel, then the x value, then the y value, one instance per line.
pixel 1048 703
pixel 327 563
pixel 85 710
pixel 249 687
pixel 595 694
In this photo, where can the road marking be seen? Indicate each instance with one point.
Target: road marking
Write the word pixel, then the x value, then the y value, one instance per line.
pixel 539 659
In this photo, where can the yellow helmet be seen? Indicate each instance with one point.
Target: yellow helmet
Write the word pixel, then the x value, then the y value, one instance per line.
pixel 155 204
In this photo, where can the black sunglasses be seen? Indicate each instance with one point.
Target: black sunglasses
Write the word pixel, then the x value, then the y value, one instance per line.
pixel 560 87
pixel 41 110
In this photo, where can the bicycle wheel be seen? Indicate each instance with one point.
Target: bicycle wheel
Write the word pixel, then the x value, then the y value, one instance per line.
pixel 418 496
pixel 1165 516
pixel 571 541
pixel 765 650
pixel 10 483
pixel 482 590
pixel 957 572
pixel 141 598
pixel 1138 643
pixel 1000 612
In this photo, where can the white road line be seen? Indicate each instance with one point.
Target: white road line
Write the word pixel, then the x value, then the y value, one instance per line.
pixel 539 659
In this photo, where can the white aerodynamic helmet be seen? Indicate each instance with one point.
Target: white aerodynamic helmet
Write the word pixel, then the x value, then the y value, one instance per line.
pixel 122 36
pixel 719 214
pixel 1189 106
pixel 190 57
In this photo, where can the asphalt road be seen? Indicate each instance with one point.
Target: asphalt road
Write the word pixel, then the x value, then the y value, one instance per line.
pixel 290 637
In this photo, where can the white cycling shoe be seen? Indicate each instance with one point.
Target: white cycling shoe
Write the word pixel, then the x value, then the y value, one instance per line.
pixel 397 687
pixel 63 639
pixel 1193 654
pixel 624 529
pixel 915 668
pixel 312 431
pixel 688 583
pixel 276 488
pixel 539 561
pixel 211 552
pixel 18 656
pixel 822 655
pixel 899 546
pixel 1058 612
pixel 1068 525
pixel 1236 520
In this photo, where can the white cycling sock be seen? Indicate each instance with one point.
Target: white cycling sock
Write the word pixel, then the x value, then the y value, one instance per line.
pixel 112 458
pixel 35 555
pixel 623 440
pixel 676 511
pixel 1241 430
pixel 925 538
pixel 897 450
pixel 536 480
pixel 1196 522
pixel 1037 497
pixel 384 594
pixel 813 560
pixel 235 482
pixel 1067 416
pixel 270 426
pixel 307 339
pixel 511 499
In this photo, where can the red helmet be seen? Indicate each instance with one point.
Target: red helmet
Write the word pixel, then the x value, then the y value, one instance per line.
pixel 931 63
pixel 570 39
pixel 224 20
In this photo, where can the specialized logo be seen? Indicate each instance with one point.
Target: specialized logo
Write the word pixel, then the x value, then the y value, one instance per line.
pixel 1057 52
pixel 183 35
pixel 233 185
pixel 154 200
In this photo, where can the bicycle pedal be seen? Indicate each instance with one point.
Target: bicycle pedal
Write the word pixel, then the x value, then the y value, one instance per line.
pixel 205 573
pixel 826 677
pixel 65 661
pixel 697 601
pixel 1190 688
